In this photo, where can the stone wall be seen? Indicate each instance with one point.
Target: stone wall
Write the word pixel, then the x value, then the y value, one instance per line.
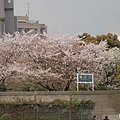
pixel 107 102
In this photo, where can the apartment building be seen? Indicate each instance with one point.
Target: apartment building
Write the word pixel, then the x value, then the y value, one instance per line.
pixel 7 16
pixel 10 23
pixel 22 23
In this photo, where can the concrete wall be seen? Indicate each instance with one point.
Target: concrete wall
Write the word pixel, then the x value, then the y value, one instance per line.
pixel 9 21
pixel 15 24
pixel 2 13
pixel 9 4
pixel 107 102
pixel 1 27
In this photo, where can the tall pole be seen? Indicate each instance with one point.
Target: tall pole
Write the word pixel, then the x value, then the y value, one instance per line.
pixel 28 7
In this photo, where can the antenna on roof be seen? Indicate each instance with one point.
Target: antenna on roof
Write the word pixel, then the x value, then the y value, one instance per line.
pixel 28 8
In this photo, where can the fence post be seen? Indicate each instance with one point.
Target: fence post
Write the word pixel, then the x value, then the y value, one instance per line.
pixel 80 112
pixel 35 94
pixel 37 112
pixel 58 113
pixel 90 115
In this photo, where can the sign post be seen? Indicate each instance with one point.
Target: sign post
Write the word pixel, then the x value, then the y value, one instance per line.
pixel 85 78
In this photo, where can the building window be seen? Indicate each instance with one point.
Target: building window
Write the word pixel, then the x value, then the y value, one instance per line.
pixel 9 1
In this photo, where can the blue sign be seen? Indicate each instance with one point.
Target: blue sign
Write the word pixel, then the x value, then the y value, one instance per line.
pixel 84 78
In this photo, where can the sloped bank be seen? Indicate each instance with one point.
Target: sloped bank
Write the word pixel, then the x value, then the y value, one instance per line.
pixel 72 109
pixel 107 102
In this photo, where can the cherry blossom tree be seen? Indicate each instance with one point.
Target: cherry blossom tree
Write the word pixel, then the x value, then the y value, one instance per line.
pixel 48 60
pixel 35 57
pixel 8 55
pixel 109 67
pixel 51 61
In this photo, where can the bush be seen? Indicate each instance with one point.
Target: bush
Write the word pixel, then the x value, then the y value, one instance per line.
pixel 6 117
pixel 102 88
pixel 2 87
pixel 30 87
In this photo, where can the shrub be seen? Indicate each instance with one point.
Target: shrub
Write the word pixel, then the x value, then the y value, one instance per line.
pixel 2 87
pixel 6 117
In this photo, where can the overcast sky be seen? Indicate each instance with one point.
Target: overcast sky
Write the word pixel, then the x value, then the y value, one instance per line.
pixel 74 16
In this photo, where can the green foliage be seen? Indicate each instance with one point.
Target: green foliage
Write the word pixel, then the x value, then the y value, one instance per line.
pixel 31 87
pixel 6 117
pixel 119 74
pixel 57 102
pixel 112 39
pixel 25 87
pixel 56 109
pixel 45 112
pixel 73 102
pixel 2 87
pixel 88 104
pixel 102 87
pixel 2 19
pixel 21 102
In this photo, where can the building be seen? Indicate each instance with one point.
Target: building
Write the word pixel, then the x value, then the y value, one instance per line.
pixel 2 15
pixel 7 16
pixel 22 23
pixel 10 23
